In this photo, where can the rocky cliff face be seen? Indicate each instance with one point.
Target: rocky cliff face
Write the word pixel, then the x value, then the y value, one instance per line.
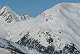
pixel 55 31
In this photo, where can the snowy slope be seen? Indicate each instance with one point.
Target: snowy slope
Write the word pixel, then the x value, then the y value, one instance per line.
pixel 15 25
pixel 55 31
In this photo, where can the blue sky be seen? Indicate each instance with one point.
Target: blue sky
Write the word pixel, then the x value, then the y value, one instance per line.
pixel 31 7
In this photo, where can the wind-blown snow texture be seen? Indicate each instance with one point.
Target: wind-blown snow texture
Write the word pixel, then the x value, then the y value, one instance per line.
pixel 55 31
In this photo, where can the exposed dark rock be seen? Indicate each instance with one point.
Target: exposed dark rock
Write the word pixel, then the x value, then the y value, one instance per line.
pixel 50 40
pixel 8 45
pixel 70 48
pixel 32 44
pixel 9 19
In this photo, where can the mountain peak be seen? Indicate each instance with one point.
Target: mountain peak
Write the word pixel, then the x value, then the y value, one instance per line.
pixel 5 8
pixel 7 14
pixel 62 6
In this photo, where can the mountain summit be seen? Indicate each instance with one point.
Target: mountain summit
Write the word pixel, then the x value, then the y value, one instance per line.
pixel 55 31
pixel 8 14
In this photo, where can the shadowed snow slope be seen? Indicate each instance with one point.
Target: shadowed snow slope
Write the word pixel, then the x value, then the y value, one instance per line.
pixel 55 31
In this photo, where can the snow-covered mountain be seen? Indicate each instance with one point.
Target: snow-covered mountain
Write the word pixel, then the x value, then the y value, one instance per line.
pixel 15 25
pixel 55 31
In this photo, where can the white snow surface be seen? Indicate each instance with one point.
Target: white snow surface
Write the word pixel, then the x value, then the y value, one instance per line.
pixel 63 17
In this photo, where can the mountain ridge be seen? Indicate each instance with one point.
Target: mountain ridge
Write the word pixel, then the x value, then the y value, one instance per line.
pixel 54 31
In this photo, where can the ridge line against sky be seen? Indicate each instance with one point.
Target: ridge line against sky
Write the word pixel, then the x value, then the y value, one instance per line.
pixel 31 7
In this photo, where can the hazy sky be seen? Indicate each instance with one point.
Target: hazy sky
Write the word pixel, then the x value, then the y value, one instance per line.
pixel 31 7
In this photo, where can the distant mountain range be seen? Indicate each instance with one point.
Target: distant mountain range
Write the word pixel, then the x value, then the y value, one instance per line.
pixel 54 31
